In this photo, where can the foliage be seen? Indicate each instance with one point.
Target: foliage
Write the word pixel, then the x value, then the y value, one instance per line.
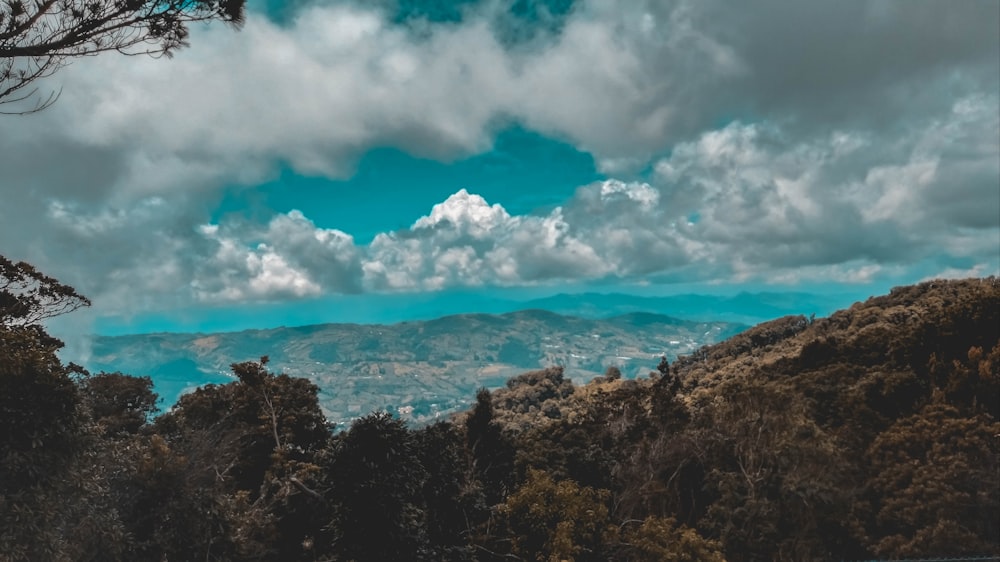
pixel 776 477
pixel 27 296
pixel 39 418
pixel 452 500
pixel 533 398
pixel 256 447
pixel 869 433
pixel 552 521
pixel 766 441
pixel 44 439
pixel 41 435
pixel 378 482
pixel 936 484
pixel 118 403
pixel 658 539
pixel 37 38
pixel 492 452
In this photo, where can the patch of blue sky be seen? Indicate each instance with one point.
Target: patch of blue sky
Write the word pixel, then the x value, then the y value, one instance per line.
pixel 545 14
pixel 521 20
pixel 431 10
pixel 525 172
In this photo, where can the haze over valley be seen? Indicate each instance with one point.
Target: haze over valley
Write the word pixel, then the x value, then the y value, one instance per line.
pixel 419 370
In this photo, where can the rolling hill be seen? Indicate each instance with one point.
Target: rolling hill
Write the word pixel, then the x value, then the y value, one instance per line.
pixel 420 370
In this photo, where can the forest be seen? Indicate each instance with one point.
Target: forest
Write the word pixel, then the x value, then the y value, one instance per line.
pixel 870 434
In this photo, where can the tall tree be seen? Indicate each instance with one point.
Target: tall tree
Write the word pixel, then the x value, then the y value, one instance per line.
pixel 452 502
pixel 552 520
pixel 377 482
pixel 42 431
pixel 118 403
pixel 492 452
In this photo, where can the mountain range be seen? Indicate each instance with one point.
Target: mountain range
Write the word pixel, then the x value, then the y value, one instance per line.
pixel 744 307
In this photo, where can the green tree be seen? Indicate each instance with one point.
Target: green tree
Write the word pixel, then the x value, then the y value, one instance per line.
pixel 781 483
pixel 658 539
pixel 253 449
pixel 244 428
pixel 51 489
pixel 452 500
pixel 936 484
pixel 555 521
pixel 377 483
pixel 169 506
pixel 41 433
pixel 118 403
pixel 492 451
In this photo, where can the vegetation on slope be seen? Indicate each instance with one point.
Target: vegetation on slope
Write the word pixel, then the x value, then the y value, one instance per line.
pixel 869 433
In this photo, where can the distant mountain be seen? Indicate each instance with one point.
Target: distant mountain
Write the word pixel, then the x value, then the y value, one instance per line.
pixel 417 369
pixel 746 308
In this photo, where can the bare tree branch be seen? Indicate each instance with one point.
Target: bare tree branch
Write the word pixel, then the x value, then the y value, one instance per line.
pixel 41 36
pixel 27 296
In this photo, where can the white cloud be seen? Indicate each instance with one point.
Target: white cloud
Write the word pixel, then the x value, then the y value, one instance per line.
pixel 295 259
pixel 258 274
pixel 638 192
pixel 624 82
pixel 978 270
pixel 893 188
pixel 742 203
pixel 746 202
pixel 465 241
pixel 850 158
pixel 467 214
pixel 778 201
pixel 852 273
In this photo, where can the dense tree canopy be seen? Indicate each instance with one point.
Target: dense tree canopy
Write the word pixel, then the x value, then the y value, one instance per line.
pixel 872 433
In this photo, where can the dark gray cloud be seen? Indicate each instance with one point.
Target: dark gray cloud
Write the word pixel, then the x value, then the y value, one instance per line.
pixel 788 140
pixel 862 64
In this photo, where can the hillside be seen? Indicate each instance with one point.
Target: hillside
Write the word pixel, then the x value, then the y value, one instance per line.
pixel 869 433
pixel 418 369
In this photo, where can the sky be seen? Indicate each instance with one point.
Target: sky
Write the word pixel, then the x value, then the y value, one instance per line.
pixel 333 157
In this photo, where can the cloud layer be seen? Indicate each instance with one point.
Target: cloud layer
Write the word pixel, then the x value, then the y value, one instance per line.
pixel 740 203
pixel 781 141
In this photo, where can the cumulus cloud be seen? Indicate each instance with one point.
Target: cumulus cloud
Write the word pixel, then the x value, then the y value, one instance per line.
pixel 845 195
pixel 466 241
pixel 293 259
pixel 782 140
pixel 745 202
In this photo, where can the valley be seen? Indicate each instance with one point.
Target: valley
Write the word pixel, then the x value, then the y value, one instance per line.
pixel 420 370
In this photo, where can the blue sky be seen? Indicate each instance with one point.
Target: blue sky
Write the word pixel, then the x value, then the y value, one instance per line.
pixel 523 171
pixel 339 160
